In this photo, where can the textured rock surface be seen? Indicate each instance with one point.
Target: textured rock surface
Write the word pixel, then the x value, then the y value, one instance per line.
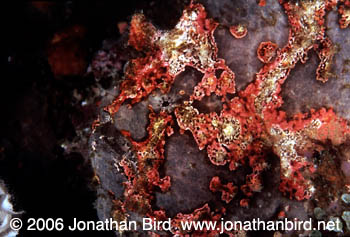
pixel 65 62
pixel 188 167
pixel 264 24
pixel 302 92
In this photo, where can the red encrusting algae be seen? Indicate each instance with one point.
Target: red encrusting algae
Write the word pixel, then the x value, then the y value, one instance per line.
pixel 344 13
pixel 266 51
pixel 238 31
pixel 228 191
pixel 190 43
pixel 247 126
pixel 150 155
